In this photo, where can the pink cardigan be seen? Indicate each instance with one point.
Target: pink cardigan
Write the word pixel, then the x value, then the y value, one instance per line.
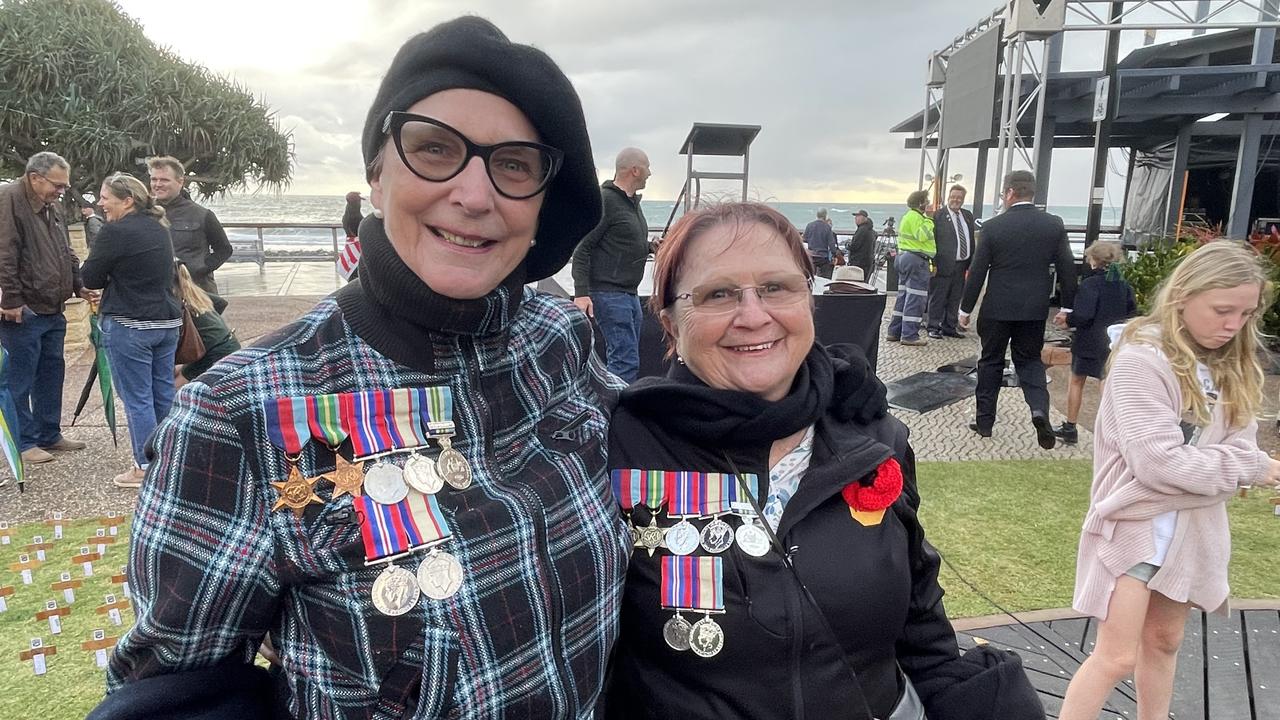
pixel 1141 469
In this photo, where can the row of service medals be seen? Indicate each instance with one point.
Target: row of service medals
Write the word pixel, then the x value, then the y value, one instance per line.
pixel 692 583
pixel 396 506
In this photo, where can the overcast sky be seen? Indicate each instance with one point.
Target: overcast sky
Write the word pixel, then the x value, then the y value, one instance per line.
pixel 825 79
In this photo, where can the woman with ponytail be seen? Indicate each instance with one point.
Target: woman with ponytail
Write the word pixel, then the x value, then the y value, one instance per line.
pixel 1104 298
pixel 132 262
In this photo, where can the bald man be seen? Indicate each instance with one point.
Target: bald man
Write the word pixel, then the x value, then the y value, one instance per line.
pixel 609 263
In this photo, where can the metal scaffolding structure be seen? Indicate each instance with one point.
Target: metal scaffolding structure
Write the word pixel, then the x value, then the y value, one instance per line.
pixel 1030 78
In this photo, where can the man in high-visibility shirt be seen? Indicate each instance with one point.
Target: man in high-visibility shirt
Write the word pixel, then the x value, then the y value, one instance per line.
pixel 916 248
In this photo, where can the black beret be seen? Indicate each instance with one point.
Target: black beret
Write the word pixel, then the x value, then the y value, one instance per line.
pixel 470 52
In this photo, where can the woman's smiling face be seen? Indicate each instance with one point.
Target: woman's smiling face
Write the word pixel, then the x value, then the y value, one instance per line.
pixel 460 236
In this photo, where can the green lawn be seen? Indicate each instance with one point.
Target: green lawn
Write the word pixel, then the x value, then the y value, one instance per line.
pixel 74 684
pixel 1010 527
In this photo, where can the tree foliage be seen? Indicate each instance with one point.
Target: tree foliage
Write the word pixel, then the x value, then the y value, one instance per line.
pixel 80 78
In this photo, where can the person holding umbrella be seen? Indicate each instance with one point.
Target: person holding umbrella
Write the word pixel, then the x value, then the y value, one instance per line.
pixel 132 262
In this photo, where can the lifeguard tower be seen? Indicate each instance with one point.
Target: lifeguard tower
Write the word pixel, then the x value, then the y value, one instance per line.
pixel 712 139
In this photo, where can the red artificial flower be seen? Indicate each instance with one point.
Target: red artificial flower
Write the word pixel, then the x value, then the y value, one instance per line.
pixel 883 491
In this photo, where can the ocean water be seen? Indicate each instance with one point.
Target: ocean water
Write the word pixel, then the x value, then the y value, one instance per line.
pixel 271 208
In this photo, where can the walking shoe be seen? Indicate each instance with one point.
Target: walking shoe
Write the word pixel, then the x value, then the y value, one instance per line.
pixel 1067 433
pixel 895 338
pixel 954 334
pixel 917 341
pixel 66 445
pixel 1044 431
pixel 935 334
pixel 131 478
pixel 35 456
pixel 982 432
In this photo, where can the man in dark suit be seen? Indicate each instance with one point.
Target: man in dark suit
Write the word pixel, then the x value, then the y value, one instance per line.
pixel 953 231
pixel 1017 249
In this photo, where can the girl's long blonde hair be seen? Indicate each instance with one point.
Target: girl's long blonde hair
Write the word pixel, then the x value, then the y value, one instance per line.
pixel 1234 366
pixel 191 294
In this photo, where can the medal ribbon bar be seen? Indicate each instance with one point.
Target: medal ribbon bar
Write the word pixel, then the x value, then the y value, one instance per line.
pixel 392 530
pixel 693 582
pixel 373 430
pixel 639 487
pixel 324 419
pixel 405 405
pixel 436 410
pixel 287 424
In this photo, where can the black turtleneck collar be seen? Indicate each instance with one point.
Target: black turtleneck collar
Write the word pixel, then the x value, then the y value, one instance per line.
pixel 393 310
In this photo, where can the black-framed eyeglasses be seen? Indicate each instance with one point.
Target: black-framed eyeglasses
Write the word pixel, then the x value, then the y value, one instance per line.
pixel 434 151
pixel 60 187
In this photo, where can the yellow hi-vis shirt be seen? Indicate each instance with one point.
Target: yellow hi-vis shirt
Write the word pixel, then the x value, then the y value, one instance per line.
pixel 916 234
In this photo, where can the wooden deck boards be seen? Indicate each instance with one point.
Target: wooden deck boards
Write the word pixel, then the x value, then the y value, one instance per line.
pixel 1228 668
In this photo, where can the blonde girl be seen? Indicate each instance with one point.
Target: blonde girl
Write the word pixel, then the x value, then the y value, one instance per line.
pixel 1174 440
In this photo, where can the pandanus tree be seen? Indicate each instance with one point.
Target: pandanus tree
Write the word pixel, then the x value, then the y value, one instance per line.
pixel 80 78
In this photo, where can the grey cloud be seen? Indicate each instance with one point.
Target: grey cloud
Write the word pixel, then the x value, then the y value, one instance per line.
pixel 825 79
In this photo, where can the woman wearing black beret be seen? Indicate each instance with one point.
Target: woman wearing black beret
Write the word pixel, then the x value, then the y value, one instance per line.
pixel 405 490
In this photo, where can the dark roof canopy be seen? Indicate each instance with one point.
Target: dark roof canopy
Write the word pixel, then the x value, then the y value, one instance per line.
pixel 1162 88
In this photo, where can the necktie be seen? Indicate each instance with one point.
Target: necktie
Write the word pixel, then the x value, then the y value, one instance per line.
pixel 962 233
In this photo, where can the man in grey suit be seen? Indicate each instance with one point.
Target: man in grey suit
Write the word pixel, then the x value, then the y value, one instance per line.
pixel 1017 249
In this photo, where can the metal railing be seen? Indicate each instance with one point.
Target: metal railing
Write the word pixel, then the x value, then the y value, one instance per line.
pixel 260 250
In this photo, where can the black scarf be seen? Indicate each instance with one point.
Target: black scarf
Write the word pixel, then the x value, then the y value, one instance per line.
pixel 839 381
pixel 393 310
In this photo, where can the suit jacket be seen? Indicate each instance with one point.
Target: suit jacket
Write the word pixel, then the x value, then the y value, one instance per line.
pixel 944 233
pixel 1017 249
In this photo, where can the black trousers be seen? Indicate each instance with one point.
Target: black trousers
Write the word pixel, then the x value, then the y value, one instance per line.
pixel 945 292
pixel 1027 339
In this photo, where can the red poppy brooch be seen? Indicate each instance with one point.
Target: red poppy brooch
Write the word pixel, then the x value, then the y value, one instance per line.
pixel 867 502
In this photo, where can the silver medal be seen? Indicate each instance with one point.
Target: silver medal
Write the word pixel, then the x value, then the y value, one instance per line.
pixel 676 632
pixel 453 467
pixel 706 638
pixel 384 483
pixel 420 473
pixel 717 536
pixel 395 592
pixel 439 575
pixel 681 538
pixel 752 539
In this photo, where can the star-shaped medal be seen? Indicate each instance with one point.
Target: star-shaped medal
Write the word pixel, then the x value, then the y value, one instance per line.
pixel 346 478
pixel 296 493
pixel 650 536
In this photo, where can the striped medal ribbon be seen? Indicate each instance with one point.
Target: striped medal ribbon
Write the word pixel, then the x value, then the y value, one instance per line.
pixel 694 583
pixel 390 531
pixel 376 431
pixel 639 487
pixel 436 410
pixel 286 420
pixel 287 424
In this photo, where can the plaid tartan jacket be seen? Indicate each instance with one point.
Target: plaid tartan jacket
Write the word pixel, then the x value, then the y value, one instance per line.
pixel 214 570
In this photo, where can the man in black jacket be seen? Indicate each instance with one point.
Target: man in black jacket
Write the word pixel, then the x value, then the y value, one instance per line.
pixel 609 263
pixel 1017 249
pixel 953 231
pixel 199 241
pixel 862 247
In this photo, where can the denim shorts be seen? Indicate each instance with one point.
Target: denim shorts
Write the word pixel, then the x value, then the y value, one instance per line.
pixel 1143 571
